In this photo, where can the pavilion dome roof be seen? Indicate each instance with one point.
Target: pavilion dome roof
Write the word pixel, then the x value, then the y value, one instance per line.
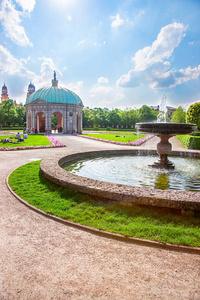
pixel 55 94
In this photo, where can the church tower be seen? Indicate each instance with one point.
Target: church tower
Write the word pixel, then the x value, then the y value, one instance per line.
pixel 4 95
pixel 31 90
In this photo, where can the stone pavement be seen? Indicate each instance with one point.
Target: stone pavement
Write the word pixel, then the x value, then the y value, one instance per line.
pixel 43 259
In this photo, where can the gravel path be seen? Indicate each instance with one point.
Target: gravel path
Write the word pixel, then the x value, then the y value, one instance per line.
pixel 43 259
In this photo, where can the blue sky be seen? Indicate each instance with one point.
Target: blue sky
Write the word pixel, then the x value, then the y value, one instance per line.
pixel 112 53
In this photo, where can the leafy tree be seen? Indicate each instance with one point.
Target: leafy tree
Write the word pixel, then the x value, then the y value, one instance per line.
pixel 179 116
pixel 114 118
pixel 88 117
pixel 1 116
pixel 193 114
pixel 9 111
pixel 103 117
pixel 21 115
pixel 146 114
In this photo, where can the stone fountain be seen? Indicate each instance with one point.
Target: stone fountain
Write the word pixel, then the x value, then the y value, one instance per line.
pixel 186 201
pixel 164 130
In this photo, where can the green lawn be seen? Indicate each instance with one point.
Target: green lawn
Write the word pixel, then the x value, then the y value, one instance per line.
pixel 148 223
pixel 122 137
pixel 32 140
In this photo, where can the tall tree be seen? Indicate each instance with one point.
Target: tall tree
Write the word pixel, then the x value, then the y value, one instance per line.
pixel 146 114
pixel 21 115
pixel 9 111
pixel 193 114
pixel 179 116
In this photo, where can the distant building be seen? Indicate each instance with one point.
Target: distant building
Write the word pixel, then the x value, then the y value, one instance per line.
pixel 57 101
pixel 31 90
pixel 170 109
pixel 4 95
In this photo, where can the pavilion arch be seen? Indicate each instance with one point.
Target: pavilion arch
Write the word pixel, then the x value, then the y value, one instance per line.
pixel 40 122
pixel 59 115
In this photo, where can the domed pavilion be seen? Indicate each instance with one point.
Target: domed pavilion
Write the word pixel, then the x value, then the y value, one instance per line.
pixel 56 101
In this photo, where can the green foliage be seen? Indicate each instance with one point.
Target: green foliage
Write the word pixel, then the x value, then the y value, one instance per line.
pixel 20 118
pixel 115 118
pixel 179 116
pixel 8 112
pixel 193 114
pixel 190 141
pixel 148 223
pixel 54 121
pixel 11 114
pixel 146 114
pixel 15 128
pixel 196 133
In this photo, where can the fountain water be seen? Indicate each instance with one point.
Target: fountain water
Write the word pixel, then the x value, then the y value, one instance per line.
pixel 164 130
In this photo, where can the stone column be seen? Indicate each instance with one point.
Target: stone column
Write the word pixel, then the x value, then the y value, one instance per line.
pixel 65 120
pixel 48 114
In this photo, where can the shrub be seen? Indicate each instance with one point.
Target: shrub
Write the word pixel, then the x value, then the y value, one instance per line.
pixel 197 133
pixel 192 142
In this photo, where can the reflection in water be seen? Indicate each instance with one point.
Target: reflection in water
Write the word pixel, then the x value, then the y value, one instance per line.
pixel 134 170
pixel 162 181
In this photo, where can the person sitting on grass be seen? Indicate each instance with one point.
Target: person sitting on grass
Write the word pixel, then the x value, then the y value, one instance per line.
pixel 18 136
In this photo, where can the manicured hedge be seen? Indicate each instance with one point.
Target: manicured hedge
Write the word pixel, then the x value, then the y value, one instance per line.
pixel 196 133
pixel 109 129
pixel 190 141
pixel 12 128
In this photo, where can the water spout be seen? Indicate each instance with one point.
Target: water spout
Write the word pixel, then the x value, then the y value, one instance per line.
pixel 161 118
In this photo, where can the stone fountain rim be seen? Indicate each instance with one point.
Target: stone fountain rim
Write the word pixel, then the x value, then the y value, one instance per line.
pixel 165 128
pixel 51 168
pixel 167 123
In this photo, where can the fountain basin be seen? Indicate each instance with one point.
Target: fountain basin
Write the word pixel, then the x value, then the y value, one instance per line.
pixel 165 131
pixel 185 201
pixel 165 128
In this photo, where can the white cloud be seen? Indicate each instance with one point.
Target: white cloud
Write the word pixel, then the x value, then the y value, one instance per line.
pixel 46 72
pixel 104 94
pixel 191 43
pixel 81 43
pixel 69 18
pixel 117 21
pixel 10 19
pixel 103 80
pixel 27 5
pixel 173 78
pixel 99 44
pixel 162 48
pixel 15 70
pixel 8 63
pixel 75 87
pixel 152 64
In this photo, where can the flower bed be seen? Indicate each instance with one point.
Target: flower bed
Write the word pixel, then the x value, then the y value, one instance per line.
pixel 135 143
pixel 54 144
